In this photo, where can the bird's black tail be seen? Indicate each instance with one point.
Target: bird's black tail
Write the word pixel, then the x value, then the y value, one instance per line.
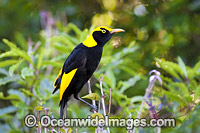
pixel 63 107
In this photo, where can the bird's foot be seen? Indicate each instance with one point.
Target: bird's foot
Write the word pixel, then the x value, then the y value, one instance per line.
pixel 94 108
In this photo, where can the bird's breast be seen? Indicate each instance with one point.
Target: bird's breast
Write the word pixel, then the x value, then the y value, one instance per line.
pixel 93 59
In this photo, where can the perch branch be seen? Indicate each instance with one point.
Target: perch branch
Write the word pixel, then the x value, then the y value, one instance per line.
pixel 102 99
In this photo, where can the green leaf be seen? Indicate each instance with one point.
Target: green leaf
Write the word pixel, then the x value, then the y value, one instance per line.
pixel 39 108
pixel 127 70
pixel 14 67
pixel 93 116
pixel 9 97
pixel 18 51
pixel 27 92
pixel 136 99
pixel 111 76
pixel 8 54
pixel 3 71
pixel 73 27
pixel 182 87
pixel 197 66
pixel 92 96
pixel 7 110
pixel 197 93
pixel 41 55
pixel 21 40
pixel 175 97
pixel 26 72
pixel 7 62
pixel 183 67
pixel 62 130
pixel 38 92
pixel 53 63
pixel 129 83
pixel 170 67
pixel 8 79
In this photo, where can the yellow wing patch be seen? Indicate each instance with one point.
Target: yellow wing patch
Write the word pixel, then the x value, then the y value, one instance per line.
pixel 65 81
pixel 90 42
pixel 57 77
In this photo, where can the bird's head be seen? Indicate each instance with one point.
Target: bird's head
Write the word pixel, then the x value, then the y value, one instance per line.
pixel 100 36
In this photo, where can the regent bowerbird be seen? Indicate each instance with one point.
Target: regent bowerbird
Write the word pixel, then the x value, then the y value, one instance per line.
pixel 80 65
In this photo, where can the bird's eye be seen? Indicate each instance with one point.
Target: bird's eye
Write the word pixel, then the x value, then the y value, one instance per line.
pixel 103 31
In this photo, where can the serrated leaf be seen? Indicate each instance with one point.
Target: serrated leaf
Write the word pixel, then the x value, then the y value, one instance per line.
pixel 93 116
pixel 92 96
pixel 183 67
pixel 8 54
pixel 18 51
pixel 39 108
pixel 7 62
pixel 26 72
pixel 170 67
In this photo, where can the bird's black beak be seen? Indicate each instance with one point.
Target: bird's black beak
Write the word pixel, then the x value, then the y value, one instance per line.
pixel 116 31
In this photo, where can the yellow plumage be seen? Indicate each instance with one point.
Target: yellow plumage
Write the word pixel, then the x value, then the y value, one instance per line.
pixel 90 42
pixel 57 76
pixel 66 79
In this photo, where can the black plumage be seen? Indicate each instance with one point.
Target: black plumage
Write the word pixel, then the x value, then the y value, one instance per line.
pixel 85 59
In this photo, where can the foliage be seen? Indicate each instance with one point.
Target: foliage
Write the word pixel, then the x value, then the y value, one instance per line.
pixel 159 34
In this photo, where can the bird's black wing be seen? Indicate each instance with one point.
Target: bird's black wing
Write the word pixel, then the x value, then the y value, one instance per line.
pixel 74 61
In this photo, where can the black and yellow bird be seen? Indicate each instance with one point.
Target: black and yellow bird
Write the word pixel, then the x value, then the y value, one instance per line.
pixel 80 65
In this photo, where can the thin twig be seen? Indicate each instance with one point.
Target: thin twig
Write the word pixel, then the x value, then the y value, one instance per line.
pixel 102 99
pixel 129 116
pixel 158 129
pixel 99 106
pixel 109 107
pixel 93 103
pixel 36 46
pixel 148 90
pixel 90 91
pixel 29 52
pixel 152 81
pixel 46 110
pixel 52 128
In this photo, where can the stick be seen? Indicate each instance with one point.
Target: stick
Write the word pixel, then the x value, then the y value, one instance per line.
pixel 102 99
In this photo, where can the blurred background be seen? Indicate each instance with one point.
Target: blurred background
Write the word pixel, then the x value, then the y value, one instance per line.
pixel 160 34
